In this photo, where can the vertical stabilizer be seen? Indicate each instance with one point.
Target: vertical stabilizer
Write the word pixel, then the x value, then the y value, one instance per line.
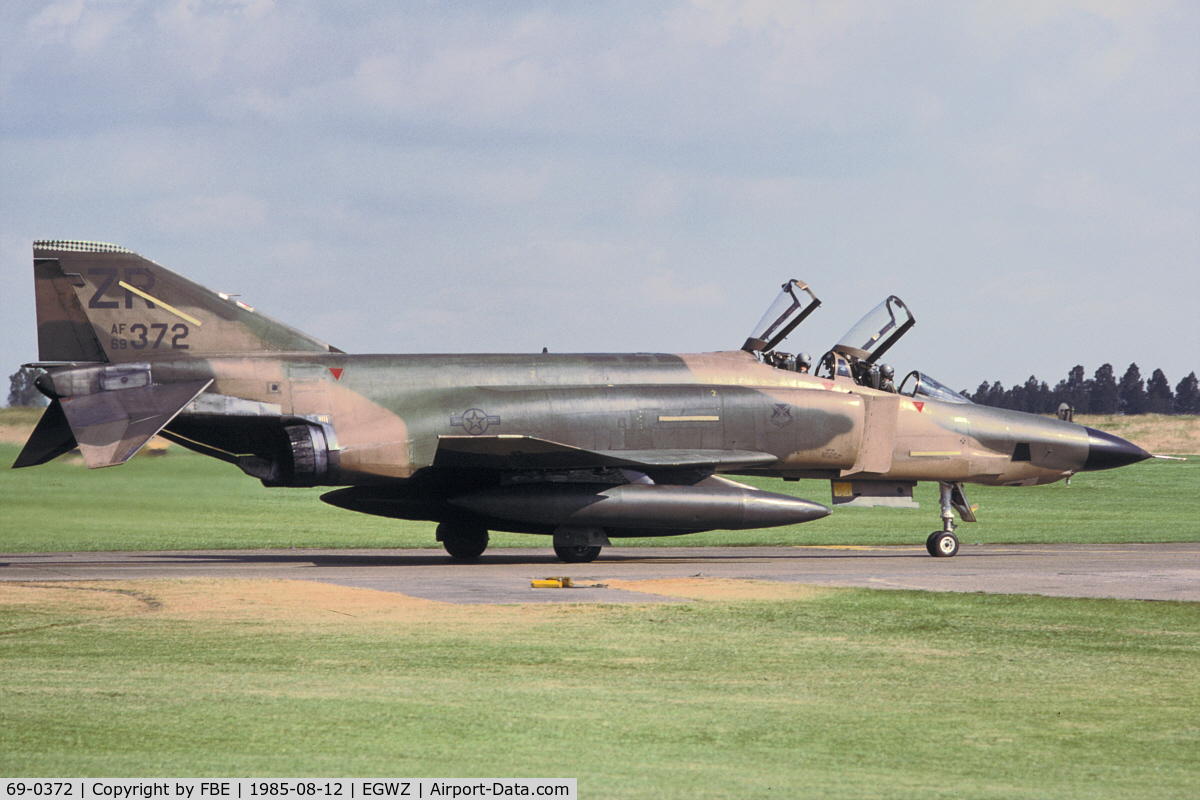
pixel 99 302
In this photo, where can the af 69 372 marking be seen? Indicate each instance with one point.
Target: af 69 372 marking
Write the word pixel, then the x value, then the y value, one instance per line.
pixel 151 335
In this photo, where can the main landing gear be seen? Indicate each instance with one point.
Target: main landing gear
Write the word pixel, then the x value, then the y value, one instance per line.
pixel 576 553
pixel 463 542
pixel 943 543
pixel 578 545
pixel 571 545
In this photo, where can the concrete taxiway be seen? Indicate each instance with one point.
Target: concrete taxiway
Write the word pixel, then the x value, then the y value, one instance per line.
pixel 1130 571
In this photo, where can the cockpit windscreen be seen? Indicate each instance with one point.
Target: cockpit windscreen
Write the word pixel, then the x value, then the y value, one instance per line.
pixel 917 384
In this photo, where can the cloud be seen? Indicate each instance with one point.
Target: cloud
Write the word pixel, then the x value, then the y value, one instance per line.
pixel 663 289
pixel 209 215
pixel 81 26
pixel 595 174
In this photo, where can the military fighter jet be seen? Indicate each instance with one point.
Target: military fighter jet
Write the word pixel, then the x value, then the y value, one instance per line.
pixel 583 448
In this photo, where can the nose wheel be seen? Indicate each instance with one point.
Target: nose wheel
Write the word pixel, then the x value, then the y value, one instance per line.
pixel 941 544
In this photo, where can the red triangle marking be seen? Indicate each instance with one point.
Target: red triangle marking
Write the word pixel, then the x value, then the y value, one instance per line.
pixel 920 406
pixel 337 372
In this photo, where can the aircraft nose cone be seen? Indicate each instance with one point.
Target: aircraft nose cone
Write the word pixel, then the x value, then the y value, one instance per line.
pixel 1106 451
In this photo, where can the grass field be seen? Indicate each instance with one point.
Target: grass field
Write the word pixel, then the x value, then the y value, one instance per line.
pixel 825 693
pixel 843 693
pixel 185 501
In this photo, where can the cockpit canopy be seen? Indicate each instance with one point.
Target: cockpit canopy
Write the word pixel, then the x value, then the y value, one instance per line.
pixel 856 355
pixel 789 310
pixel 877 331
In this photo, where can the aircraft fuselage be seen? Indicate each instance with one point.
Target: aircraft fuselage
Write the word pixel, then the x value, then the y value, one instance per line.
pixel 389 412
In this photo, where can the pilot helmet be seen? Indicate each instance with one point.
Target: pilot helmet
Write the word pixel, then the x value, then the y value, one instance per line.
pixel 803 360
pixel 886 371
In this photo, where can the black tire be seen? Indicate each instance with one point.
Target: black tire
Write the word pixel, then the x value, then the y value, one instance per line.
pixel 941 544
pixel 463 542
pixel 577 554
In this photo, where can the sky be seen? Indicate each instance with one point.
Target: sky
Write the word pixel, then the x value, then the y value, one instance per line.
pixel 427 177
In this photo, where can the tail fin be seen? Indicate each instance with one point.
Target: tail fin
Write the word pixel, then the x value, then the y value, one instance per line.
pixel 99 302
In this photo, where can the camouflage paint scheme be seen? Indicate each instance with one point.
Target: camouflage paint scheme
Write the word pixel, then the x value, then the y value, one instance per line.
pixel 581 447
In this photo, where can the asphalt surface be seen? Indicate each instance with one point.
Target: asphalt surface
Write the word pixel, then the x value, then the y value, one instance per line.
pixel 1130 571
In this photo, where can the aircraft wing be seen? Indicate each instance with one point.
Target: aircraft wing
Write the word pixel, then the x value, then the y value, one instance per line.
pixel 530 452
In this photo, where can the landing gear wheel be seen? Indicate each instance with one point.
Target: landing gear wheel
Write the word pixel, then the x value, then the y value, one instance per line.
pixel 463 542
pixel 941 544
pixel 576 553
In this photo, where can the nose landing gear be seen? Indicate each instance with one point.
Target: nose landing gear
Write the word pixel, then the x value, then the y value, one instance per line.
pixel 943 543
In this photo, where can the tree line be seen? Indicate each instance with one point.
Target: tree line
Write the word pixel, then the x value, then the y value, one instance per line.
pixel 1100 394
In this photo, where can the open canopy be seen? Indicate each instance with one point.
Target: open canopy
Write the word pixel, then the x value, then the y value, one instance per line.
pixel 877 331
pixel 794 303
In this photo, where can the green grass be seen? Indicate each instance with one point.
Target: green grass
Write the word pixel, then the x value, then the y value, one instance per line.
pixel 185 501
pixel 853 693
